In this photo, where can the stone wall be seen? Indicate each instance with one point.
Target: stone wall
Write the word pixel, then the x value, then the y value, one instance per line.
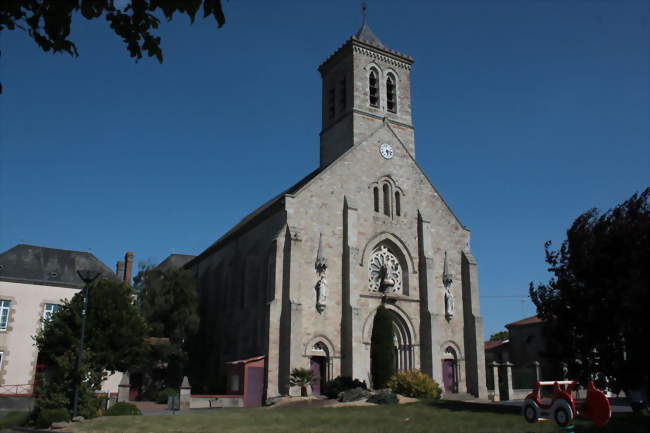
pixel 235 284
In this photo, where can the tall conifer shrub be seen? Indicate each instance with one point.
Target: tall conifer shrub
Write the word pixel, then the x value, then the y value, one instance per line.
pixel 381 348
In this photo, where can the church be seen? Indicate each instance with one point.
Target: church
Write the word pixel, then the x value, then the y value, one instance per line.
pixel 297 282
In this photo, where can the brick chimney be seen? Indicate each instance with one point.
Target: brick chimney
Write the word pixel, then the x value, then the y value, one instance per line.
pixel 119 269
pixel 128 268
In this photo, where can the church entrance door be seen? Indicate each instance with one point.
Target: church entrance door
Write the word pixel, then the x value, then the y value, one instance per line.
pixel 317 364
pixel 448 375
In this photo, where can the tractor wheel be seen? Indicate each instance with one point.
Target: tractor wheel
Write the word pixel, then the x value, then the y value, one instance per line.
pixel 563 416
pixel 530 413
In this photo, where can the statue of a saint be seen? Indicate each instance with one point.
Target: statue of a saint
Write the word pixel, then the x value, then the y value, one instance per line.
pixel 449 303
pixel 321 293
pixel 321 284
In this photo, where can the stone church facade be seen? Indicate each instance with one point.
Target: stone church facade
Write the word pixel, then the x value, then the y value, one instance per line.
pixel 299 279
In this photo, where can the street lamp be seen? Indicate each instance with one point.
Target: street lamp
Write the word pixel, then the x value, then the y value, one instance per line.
pixel 88 277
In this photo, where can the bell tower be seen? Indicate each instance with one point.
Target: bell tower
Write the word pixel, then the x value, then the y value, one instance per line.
pixel 365 84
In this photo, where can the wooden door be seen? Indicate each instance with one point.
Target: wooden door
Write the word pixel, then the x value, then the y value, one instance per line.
pixel 315 364
pixel 448 376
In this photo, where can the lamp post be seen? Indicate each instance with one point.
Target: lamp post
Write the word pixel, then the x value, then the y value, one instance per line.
pixel 88 277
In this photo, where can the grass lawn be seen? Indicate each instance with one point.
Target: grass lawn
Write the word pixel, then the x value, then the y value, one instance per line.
pixel 416 417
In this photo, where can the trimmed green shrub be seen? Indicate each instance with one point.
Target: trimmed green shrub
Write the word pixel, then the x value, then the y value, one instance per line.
pixel 164 394
pixel 340 384
pixel 123 408
pixel 414 383
pixel 14 418
pixel 383 397
pixel 46 417
pixel 381 348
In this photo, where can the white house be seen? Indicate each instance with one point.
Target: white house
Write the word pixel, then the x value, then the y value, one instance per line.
pixel 34 282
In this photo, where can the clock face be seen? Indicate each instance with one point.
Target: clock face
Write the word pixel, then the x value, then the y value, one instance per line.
pixel 386 150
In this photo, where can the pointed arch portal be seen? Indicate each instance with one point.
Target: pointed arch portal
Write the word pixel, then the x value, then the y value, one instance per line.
pixel 402 343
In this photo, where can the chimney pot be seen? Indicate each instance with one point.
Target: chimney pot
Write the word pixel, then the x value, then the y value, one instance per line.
pixel 128 268
pixel 119 269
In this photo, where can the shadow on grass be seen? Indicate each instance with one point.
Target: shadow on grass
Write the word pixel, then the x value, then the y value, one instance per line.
pixel 458 406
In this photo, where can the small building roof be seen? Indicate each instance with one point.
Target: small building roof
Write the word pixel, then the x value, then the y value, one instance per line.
pixel 527 321
pixel 174 261
pixel 32 264
pixel 489 345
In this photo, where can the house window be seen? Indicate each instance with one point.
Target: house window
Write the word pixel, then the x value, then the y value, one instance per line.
pixel 373 88
pixel 386 199
pixel 342 94
pixel 398 210
pixel 375 192
pixel 48 310
pixel 391 99
pixel 331 102
pixel 5 307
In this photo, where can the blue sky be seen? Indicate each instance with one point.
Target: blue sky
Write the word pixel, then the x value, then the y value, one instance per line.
pixel 527 113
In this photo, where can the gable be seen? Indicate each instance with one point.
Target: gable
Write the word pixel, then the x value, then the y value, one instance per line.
pixel 364 165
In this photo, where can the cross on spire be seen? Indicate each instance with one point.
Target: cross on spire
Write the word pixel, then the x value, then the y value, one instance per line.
pixel 364 12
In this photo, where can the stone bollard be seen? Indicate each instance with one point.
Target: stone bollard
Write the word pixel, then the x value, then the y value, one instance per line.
pixel 538 371
pixel 495 379
pixel 186 390
pixel 124 388
pixel 509 366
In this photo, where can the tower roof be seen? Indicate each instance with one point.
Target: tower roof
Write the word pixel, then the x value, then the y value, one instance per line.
pixel 366 35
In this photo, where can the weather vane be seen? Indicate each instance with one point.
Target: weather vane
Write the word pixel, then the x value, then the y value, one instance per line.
pixel 364 11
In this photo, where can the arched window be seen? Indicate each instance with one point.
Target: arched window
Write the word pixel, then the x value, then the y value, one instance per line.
pixel 398 210
pixel 386 199
pixel 391 97
pixel 373 88
pixel 375 192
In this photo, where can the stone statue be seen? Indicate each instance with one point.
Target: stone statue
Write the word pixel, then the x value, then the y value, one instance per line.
pixel 321 293
pixel 321 285
pixel 449 304
pixel 447 280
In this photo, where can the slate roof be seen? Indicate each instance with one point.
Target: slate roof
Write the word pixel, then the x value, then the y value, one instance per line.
pixel 49 266
pixel 489 345
pixel 258 214
pixel 527 321
pixel 175 261
pixel 366 35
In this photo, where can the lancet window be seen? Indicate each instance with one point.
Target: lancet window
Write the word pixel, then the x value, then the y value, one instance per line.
pixel 373 88
pixel 391 97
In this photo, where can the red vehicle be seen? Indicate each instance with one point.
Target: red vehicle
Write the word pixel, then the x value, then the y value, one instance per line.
pixel 559 400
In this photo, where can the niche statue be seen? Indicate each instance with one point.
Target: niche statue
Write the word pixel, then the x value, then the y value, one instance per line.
pixel 321 284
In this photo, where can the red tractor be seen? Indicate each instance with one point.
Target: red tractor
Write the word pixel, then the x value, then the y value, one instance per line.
pixel 559 400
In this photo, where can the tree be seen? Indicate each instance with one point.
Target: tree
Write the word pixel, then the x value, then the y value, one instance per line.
pixel 48 22
pixel 500 336
pixel 381 348
pixel 114 341
pixel 596 304
pixel 169 302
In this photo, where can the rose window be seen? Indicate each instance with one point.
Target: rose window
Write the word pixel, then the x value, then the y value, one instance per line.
pixel 384 272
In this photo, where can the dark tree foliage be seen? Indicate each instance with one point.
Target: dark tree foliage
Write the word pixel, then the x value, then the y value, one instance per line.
pixel 49 22
pixel 381 348
pixel 500 336
pixel 169 302
pixel 114 341
pixel 596 303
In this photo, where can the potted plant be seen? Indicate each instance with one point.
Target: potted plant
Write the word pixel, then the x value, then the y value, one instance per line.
pixel 301 377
